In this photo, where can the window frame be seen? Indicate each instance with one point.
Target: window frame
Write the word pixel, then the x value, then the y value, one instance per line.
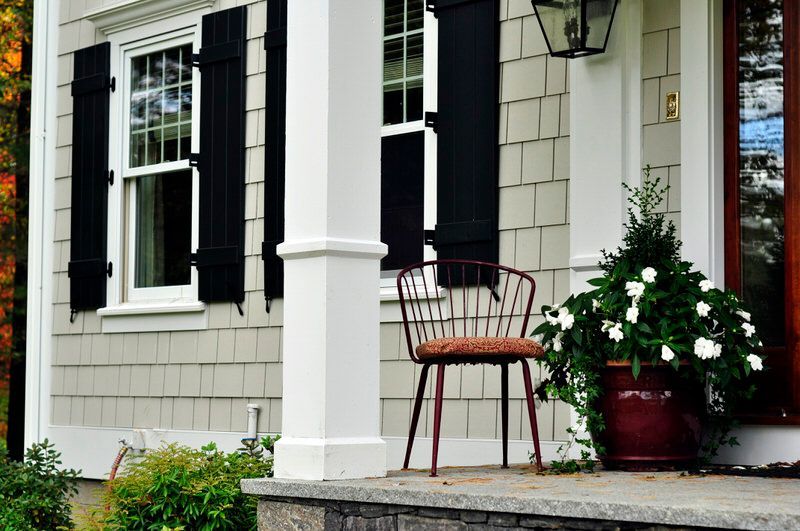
pixel 162 309
pixel 429 104
pixel 128 174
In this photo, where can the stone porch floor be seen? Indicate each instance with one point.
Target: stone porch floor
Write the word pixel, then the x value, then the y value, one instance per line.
pixel 518 496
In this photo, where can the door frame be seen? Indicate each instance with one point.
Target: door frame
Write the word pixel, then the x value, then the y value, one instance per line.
pixel 789 413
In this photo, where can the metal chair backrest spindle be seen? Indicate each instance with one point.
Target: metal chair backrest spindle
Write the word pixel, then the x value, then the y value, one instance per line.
pixel 479 299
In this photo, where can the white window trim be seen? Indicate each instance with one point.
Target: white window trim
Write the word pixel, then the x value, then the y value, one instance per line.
pixel 430 39
pixel 167 311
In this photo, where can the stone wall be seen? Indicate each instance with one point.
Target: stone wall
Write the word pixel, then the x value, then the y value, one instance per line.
pixel 289 515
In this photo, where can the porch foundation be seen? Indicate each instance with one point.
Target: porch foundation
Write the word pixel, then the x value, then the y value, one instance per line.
pixel 484 498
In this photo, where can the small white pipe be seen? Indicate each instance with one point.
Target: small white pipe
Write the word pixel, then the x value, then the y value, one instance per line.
pixel 252 420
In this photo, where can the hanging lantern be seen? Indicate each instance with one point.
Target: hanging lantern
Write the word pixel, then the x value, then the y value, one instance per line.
pixel 575 28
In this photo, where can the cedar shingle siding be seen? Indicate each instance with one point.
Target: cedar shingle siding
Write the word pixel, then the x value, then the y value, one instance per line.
pixel 202 380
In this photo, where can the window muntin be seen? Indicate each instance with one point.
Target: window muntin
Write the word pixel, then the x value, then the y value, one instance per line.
pixel 402 61
pixel 160 189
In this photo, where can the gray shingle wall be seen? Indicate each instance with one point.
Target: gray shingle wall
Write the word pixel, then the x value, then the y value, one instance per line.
pixel 661 62
pixel 202 380
pixel 197 380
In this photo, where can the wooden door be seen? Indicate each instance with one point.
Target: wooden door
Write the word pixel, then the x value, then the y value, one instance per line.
pixel 762 190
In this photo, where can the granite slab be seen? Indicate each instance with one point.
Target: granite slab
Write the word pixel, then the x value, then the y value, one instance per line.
pixel 666 498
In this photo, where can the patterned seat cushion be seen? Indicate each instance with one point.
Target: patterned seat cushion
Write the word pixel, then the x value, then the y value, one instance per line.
pixel 519 347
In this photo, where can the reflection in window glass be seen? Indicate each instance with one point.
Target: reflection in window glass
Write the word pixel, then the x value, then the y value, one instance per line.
pixel 402 60
pixel 163 229
pixel 160 107
pixel 761 149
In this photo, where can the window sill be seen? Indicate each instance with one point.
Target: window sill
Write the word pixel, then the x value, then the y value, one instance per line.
pixel 160 316
pixel 390 302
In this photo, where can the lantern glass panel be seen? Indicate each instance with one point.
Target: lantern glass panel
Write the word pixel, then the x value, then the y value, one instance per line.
pixel 561 22
pixel 598 22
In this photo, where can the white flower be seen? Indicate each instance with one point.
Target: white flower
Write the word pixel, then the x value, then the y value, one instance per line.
pixel 557 342
pixel 706 285
pixel 755 362
pixel 550 319
pixel 702 309
pixel 666 353
pixel 595 304
pixel 744 315
pixel 615 332
pixel 565 319
pixel 606 325
pixel 706 349
pixel 749 329
pixel 635 289
pixel 632 315
pixel 649 275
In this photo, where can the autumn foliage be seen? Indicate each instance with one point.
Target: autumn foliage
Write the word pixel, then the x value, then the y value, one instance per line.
pixel 15 36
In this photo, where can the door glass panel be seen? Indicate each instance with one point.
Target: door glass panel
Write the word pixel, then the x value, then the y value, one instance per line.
pixel 761 166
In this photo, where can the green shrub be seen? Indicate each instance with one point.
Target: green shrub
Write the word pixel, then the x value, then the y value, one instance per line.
pixel 180 488
pixel 34 495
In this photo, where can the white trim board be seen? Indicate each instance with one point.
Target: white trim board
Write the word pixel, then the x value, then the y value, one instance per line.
pixel 41 220
pixel 92 450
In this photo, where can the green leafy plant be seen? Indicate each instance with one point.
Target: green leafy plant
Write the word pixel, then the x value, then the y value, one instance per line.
pixel 179 488
pixel 650 307
pixel 34 494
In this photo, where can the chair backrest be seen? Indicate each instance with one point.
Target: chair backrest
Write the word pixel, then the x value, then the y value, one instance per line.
pixel 463 298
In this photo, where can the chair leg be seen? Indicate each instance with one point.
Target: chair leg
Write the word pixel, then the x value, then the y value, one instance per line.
pixel 437 416
pixel 526 374
pixel 423 379
pixel 504 406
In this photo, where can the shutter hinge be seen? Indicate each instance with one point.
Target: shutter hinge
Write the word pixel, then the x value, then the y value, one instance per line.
pixel 110 177
pixel 196 60
pixel 432 120
pixel 110 269
pixel 194 160
pixel 113 84
pixel 429 237
pixel 430 5
pixel 192 259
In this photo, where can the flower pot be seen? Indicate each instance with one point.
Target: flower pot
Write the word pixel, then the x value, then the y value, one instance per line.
pixel 653 422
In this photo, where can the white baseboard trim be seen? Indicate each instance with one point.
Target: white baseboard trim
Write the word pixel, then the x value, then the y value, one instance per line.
pixel 92 450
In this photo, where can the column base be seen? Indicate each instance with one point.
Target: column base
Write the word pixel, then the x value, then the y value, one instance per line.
pixel 330 459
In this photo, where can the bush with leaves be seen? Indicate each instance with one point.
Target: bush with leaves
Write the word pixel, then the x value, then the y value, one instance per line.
pixel 650 307
pixel 34 494
pixel 179 488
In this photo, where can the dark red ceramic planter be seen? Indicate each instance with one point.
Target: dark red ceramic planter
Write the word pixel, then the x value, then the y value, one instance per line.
pixel 653 422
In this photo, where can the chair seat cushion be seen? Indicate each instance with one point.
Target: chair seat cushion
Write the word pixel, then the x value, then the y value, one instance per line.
pixel 519 347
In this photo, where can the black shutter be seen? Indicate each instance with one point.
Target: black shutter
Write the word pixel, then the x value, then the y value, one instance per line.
pixel 88 268
pixel 467 127
pixel 275 155
pixel 220 256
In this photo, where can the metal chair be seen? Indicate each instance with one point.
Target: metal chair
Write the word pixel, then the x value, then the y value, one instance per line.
pixel 481 317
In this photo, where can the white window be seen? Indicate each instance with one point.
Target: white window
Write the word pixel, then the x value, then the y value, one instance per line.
pixel 154 200
pixel 159 186
pixel 408 188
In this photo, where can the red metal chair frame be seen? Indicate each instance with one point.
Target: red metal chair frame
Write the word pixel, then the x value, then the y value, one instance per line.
pixel 431 320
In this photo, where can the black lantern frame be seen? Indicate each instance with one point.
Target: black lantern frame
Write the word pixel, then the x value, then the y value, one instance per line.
pixel 576 29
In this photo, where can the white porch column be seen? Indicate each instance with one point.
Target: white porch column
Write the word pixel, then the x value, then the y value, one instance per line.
pixel 605 142
pixel 332 250
pixel 702 186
